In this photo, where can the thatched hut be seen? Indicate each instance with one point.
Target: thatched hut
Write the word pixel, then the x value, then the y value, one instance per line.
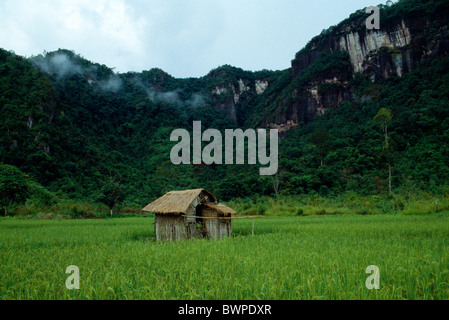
pixel 190 214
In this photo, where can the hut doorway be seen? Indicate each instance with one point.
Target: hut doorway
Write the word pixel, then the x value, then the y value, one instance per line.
pixel 200 221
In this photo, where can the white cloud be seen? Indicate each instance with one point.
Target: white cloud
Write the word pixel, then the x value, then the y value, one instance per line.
pixel 106 31
pixel 74 21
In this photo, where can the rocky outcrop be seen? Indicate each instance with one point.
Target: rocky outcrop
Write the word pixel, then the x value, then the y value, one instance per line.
pixel 261 86
pixel 391 51
pixel 394 50
pixel 307 102
pixel 227 96
pixel 363 47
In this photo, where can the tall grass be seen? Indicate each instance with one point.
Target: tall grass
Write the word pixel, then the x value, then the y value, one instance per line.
pixel 409 202
pixel 288 258
pixel 70 209
pixel 346 204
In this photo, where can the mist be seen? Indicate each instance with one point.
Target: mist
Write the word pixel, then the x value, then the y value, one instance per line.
pixel 59 65
pixel 197 100
pixel 113 84
pixel 170 97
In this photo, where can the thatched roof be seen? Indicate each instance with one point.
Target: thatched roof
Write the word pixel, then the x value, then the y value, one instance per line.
pixel 220 208
pixel 178 202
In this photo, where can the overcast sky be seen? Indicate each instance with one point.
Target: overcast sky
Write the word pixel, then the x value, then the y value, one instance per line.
pixel 186 38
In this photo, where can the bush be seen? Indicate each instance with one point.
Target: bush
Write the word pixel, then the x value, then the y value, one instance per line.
pixel 81 213
pixel 41 196
pixel 398 202
pixel 250 212
pixel 318 212
pixel 44 216
pixel 261 210
pixel 363 212
pixel 13 186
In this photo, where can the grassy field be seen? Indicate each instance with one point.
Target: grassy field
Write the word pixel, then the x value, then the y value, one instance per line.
pixel 316 257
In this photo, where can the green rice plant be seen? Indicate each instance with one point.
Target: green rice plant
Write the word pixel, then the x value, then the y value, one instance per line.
pixel 309 257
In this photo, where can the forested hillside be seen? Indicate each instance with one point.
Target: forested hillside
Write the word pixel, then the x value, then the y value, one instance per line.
pixel 77 129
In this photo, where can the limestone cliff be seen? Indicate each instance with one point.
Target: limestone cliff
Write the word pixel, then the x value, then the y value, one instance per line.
pixel 231 89
pixel 396 48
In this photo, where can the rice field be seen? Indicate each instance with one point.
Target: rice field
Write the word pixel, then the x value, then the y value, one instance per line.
pixel 288 258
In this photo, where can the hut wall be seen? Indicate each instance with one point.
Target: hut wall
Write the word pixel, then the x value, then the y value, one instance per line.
pixel 169 227
pixel 192 229
pixel 216 228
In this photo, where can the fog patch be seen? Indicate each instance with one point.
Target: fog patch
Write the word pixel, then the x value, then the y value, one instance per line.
pixel 113 84
pixel 169 97
pixel 59 65
pixel 197 100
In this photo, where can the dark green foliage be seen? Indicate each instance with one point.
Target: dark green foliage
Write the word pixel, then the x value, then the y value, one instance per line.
pixel 40 196
pixel 329 87
pixel 336 63
pixel 93 133
pixel 356 158
pixel 68 123
pixel 13 186
pixel 111 193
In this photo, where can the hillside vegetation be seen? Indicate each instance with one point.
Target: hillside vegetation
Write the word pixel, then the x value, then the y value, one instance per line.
pixel 79 132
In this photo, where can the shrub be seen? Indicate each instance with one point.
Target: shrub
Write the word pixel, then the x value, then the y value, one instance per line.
pixel 261 210
pixel 13 186
pixel 41 196
pixel 250 212
pixel 44 216
pixel 82 213
pixel 318 211
pixel 363 212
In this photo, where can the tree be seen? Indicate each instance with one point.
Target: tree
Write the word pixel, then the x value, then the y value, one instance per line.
pixel 112 193
pixel 383 118
pixel 13 186
pixel 321 140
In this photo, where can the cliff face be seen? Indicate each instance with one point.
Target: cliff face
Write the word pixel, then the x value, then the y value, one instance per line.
pixel 363 47
pixel 235 90
pixel 227 96
pixel 394 50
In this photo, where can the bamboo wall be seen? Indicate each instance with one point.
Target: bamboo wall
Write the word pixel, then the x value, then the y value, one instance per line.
pixel 169 228
pixel 180 227
pixel 216 228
